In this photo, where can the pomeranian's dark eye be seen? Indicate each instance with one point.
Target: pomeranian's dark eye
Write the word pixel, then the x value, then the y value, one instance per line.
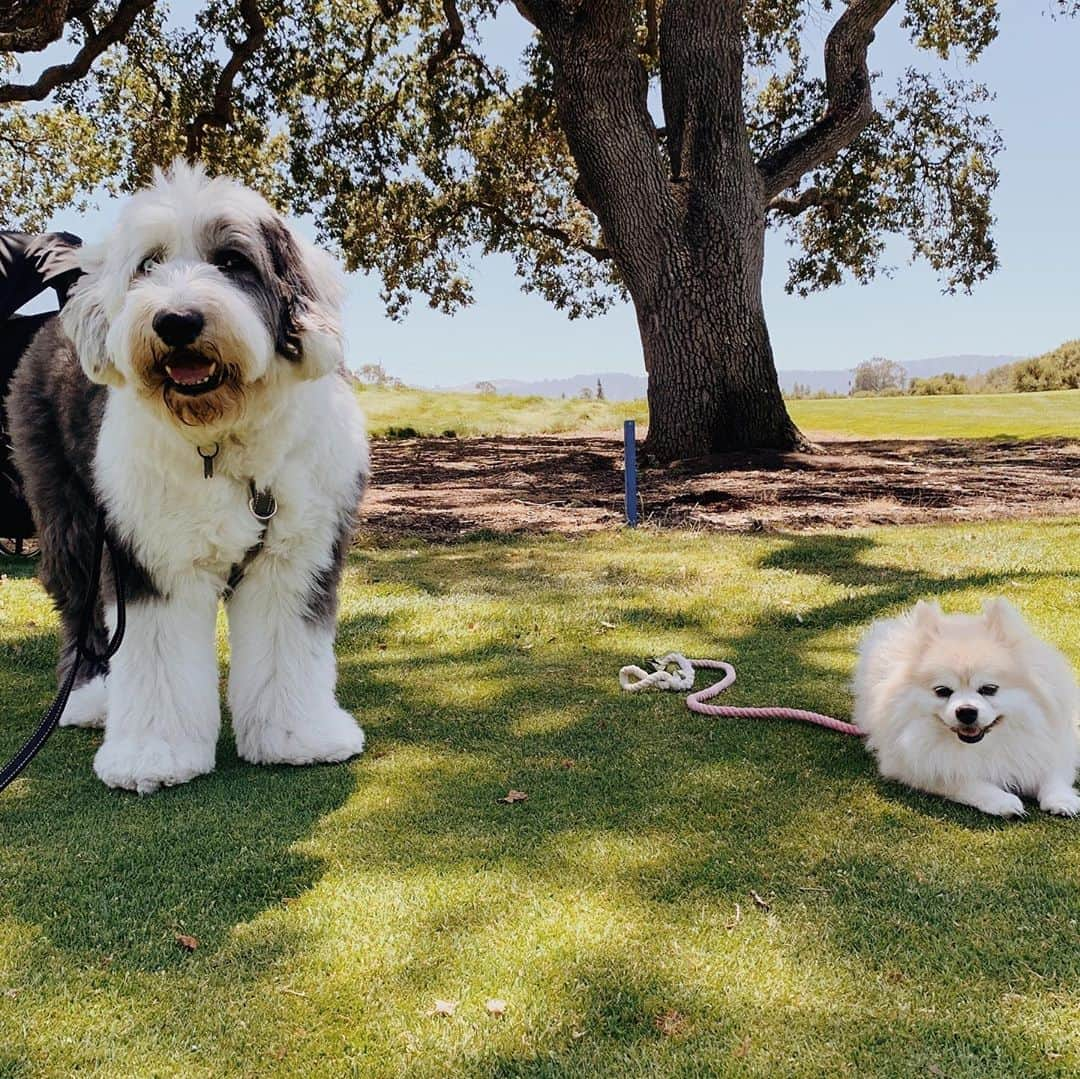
pixel 988 690
pixel 232 262
pixel 942 692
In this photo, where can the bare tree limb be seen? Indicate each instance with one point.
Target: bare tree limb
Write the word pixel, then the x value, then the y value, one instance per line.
pixel 449 40
pixel 220 114
pixel 554 232
pixel 793 205
pixel 115 30
pixel 850 108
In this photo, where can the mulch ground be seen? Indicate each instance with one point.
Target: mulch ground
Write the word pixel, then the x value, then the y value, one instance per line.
pixel 443 488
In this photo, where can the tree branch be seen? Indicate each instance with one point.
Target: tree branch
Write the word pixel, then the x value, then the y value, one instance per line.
pixel 793 205
pixel 850 108
pixel 115 30
pixel 449 40
pixel 651 47
pixel 554 232
pixel 32 25
pixel 220 114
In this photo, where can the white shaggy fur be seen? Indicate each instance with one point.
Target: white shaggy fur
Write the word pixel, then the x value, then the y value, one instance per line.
pixel 926 680
pixel 299 433
pixel 86 705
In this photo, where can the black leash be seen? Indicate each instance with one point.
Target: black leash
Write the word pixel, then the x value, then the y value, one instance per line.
pixel 83 653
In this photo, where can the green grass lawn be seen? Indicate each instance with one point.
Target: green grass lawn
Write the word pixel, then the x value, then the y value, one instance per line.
pixel 1011 415
pixel 1014 415
pixel 433 412
pixel 613 910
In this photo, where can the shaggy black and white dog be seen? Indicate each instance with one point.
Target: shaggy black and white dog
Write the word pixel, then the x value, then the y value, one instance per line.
pixel 203 328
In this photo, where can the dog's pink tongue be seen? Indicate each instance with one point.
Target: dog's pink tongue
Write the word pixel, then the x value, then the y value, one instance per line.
pixel 189 372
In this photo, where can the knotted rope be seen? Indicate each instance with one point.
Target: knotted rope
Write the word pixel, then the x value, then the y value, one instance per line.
pixel 633 679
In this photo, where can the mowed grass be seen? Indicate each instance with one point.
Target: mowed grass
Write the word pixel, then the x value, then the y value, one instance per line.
pixel 434 412
pixel 1014 415
pixel 678 895
pixel 1005 415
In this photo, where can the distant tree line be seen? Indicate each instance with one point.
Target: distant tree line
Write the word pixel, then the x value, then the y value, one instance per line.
pixel 1058 369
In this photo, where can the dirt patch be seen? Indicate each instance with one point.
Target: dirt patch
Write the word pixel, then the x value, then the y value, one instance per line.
pixel 442 488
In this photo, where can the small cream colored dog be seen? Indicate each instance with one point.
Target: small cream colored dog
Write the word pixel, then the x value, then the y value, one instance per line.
pixel 975 708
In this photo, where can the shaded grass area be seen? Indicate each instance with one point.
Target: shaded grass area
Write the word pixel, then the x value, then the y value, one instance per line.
pixel 613 910
pixel 1006 415
pixel 408 412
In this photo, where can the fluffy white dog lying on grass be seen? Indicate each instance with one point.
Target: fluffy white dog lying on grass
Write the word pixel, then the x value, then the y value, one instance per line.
pixel 974 708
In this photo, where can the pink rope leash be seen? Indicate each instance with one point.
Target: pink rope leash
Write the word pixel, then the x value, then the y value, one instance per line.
pixel 684 679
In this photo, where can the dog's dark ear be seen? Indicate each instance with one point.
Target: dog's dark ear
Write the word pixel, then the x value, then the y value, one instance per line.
pixel 85 322
pixel 1004 620
pixel 311 292
pixel 926 616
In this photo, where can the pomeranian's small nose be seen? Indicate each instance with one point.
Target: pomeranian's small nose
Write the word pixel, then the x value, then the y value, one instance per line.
pixel 178 328
pixel 967 715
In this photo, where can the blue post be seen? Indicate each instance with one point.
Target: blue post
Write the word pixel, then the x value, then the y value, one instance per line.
pixel 630 471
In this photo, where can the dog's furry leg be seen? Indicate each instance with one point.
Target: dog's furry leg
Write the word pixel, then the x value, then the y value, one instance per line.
pixel 982 795
pixel 1057 795
pixel 163 709
pixel 282 674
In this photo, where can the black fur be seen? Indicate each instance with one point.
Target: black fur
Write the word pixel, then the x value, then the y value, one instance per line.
pixel 292 286
pixel 322 598
pixel 54 415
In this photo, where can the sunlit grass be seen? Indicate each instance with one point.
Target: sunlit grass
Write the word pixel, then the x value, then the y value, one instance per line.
pixel 333 906
pixel 412 411
pixel 1014 415
pixel 1007 415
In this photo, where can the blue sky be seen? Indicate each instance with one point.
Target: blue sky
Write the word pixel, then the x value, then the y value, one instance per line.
pixel 1028 306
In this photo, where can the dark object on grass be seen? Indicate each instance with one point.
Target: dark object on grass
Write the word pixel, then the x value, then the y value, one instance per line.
pixel 28 265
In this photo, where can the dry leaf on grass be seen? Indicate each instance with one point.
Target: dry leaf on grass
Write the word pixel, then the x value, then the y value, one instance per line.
pixel 513 796
pixel 742 1048
pixel 734 921
pixel 188 943
pixel 444 1007
pixel 496 1007
pixel 670 1023
pixel 760 903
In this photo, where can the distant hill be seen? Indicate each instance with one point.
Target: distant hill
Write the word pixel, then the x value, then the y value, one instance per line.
pixel 623 387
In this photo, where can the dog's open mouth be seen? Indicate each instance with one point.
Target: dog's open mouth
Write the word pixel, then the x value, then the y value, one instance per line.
pixel 191 372
pixel 972 732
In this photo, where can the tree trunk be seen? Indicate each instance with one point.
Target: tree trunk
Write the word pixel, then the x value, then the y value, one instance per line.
pixel 712 378
pixel 688 239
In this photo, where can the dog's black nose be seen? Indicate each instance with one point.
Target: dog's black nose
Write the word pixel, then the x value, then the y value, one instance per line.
pixel 967 715
pixel 178 328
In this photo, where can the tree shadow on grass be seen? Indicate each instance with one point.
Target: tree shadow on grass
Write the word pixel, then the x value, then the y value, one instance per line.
pixel 630 796
pixel 109 873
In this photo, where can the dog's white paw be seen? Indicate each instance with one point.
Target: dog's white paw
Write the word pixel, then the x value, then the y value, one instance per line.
pixel 147 763
pixel 1001 804
pixel 86 706
pixel 333 736
pixel 1065 803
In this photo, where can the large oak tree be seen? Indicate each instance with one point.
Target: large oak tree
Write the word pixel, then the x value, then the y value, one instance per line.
pixel 643 149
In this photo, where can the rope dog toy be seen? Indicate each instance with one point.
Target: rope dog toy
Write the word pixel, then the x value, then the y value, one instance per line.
pixel 634 679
